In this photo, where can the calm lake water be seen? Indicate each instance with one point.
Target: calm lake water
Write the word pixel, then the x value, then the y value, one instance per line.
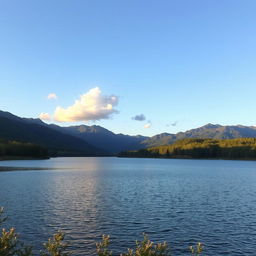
pixel 180 201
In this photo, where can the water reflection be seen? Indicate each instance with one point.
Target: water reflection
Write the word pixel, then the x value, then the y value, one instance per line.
pixel 181 201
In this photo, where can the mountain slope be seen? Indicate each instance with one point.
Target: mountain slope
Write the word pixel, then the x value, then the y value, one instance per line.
pixel 58 143
pixel 96 140
pixel 99 138
pixel 210 131
pixel 103 138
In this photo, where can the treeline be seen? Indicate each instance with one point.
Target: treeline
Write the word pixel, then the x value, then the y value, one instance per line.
pixel 13 149
pixel 242 148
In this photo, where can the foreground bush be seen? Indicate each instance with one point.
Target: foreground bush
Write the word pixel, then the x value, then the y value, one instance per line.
pixel 10 245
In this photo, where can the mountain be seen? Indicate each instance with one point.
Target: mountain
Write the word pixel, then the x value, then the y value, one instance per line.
pixel 114 143
pixel 9 115
pixel 96 140
pixel 209 131
pixel 37 132
pixel 91 140
pixel 103 138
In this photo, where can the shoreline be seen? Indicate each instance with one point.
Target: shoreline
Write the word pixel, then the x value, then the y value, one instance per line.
pixel 191 158
pixel 7 158
pixel 12 168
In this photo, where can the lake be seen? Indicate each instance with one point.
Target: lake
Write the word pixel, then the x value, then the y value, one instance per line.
pixel 178 201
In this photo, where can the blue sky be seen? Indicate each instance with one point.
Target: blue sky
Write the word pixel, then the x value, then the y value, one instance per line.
pixel 180 63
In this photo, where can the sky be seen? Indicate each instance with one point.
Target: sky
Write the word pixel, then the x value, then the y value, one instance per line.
pixel 134 67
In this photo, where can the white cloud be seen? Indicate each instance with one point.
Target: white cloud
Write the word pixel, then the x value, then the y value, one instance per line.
pixel 45 116
pixel 148 125
pixel 91 106
pixel 140 117
pixel 52 96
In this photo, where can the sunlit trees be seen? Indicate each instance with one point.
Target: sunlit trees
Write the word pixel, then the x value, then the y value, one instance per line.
pixel 243 148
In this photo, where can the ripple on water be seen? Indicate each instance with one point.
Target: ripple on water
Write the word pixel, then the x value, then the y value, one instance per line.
pixel 179 201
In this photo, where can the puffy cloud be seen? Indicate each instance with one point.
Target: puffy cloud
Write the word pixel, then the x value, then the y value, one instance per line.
pixel 148 125
pixel 52 96
pixel 140 117
pixel 45 116
pixel 91 106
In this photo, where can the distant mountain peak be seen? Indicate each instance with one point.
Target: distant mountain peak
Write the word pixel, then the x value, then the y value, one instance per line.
pixel 34 121
pixel 89 129
pixel 11 116
pixel 8 115
pixel 208 131
pixel 211 126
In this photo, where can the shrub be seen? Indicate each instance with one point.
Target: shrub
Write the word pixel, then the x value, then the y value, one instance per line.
pixel 10 245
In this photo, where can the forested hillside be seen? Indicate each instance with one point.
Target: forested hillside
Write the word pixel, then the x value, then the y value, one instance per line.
pixel 209 131
pixel 244 148
pixel 57 143
pixel 15 149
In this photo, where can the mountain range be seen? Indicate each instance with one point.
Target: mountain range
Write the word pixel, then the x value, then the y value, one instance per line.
pixel 95 140
pixel 209 131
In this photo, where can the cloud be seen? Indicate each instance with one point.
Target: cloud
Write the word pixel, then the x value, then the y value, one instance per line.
pixel 148 125
pixel 45 116
pixel 91 106
pixel 52 96
pixel 172 124
pixel 140 117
